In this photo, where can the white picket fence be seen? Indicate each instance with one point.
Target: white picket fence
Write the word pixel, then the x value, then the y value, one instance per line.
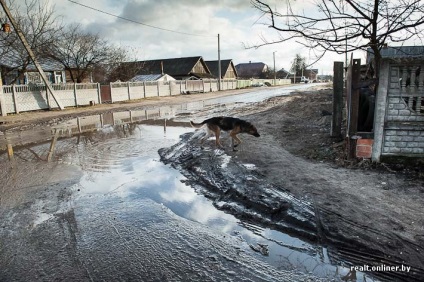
pixel 15 99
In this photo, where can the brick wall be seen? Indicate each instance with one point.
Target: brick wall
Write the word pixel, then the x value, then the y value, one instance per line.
pixel 404 118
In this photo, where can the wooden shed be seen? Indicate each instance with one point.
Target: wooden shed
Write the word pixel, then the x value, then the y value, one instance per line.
pixel 228 70
pixel 251 70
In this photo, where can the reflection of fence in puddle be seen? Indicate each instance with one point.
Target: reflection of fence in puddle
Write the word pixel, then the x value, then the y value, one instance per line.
pixel 47 137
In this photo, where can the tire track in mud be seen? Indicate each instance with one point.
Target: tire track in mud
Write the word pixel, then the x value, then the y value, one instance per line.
pixel 248 196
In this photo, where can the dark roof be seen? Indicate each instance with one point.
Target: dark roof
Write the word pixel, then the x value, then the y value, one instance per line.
pixel 401 52
pixel 45 63
pixel 282 73
pixel 173 67
pixel 213 67
pixel 250 69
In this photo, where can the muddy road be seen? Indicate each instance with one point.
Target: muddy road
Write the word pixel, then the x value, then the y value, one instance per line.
pixel 124 192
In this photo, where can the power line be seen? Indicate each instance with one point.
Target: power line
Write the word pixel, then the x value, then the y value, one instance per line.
pixel 140 23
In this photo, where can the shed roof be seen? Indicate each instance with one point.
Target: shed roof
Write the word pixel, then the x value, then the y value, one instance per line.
pixel 173 66
pixel 250 69
pixel 213 66
pixel 146 77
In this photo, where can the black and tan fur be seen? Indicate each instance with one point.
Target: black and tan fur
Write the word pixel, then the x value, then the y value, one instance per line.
pixel 234 125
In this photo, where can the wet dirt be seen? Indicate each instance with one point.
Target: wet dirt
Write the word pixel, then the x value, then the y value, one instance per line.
pixel 363 216
pixel 91 210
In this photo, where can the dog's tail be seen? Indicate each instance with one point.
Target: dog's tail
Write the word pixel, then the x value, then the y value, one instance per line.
pixel 196 125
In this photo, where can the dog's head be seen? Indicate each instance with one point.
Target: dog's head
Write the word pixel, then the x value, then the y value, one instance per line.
pixel 253 131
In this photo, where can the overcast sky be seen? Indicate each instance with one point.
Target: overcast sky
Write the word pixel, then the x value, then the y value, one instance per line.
pixel 236 21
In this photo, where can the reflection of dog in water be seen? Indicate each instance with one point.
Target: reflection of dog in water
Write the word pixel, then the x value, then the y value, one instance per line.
pixel 234 125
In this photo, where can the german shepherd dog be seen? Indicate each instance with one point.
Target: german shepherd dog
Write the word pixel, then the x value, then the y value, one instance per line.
pixel 234 125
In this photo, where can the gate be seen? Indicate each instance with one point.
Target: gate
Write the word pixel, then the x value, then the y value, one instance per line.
pixel 106 93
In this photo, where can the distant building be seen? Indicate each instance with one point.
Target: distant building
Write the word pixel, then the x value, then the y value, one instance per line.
pixel 251 70
pixel 179 68
pixel 307 75
pixel 324 78
pixel 14 74
pixel 311 74
pixel 228 70
pixel 283 74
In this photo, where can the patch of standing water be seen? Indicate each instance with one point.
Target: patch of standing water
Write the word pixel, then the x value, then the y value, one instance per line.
pixel 128 168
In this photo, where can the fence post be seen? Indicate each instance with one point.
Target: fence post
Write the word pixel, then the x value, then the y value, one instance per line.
pixel 354 108
pixel 75 95
pixel 203 85
pixel 2 104
pixel 380 110
pixel 157 83
pixel 128 90
pixel 48 99
pixel 15 102
pixel 144 89
pixel 99 93
pixel 336 123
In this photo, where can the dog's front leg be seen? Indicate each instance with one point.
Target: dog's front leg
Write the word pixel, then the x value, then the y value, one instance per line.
pixel 235 141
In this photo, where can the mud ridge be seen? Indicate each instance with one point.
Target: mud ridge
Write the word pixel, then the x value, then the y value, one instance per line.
pixel 238 190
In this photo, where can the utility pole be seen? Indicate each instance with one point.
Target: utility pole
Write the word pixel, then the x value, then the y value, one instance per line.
pixel 219 65
pixel 30 53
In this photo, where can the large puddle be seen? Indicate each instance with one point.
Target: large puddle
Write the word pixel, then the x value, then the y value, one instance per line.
pixel 118 156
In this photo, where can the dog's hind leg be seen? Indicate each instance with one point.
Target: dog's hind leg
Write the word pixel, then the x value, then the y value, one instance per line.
pixel 217 132
pixel 207 135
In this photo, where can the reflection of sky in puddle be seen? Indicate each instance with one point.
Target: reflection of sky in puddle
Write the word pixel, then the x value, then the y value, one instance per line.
pixel 121 162
pixel 141 175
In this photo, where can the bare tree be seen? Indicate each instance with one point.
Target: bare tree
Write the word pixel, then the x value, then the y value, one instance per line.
pixel 81 53
pixel 126 70
pixel 38 23
pixel 298 65
pixel 343 26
